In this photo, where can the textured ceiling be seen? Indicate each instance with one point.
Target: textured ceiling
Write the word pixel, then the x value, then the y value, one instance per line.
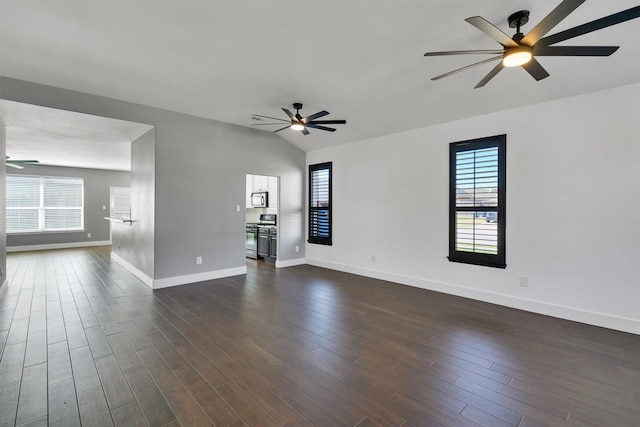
pixel 63 138
pixel 361 60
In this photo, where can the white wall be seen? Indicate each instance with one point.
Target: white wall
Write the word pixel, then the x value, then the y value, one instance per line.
pixel 573 199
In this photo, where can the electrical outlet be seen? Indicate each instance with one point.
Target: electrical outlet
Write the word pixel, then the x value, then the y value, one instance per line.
pixel 237 208
pixel 198 260
pixel 88 234
pixel 524 281
pixel 297 248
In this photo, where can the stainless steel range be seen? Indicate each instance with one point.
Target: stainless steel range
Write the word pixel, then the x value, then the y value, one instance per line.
pixel 251 241
pixel 261 238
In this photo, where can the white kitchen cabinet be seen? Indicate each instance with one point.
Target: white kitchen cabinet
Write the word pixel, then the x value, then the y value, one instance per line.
pixel 249 190
pixel 257 183
pixel 260 183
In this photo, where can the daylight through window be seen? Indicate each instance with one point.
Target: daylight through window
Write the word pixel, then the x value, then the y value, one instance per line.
pixel 44 203
pixel 320 203
pixel 477 201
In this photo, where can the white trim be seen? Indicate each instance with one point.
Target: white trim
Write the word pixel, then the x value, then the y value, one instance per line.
pixel 45 232
pixel 290 262
pixel 133 270
pixel 563 312
pixel 58 246
pixel 3 289
pixel 198 277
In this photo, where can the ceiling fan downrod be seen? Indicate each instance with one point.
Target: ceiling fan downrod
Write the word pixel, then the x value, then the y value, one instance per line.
pixel 517 20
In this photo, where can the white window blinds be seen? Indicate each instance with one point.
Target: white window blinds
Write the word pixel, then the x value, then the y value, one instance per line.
pixel 23 203
pixel 41 203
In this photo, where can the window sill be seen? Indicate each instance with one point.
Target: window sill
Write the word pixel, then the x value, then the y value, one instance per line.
pixel 478 262
pixel 26 233
pixel 314 242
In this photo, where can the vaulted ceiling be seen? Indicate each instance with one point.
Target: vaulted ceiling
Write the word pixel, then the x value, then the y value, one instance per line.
pixel 361 60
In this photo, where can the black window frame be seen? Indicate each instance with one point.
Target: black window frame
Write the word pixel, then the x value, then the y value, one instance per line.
pixel 313 236
pixel 489 260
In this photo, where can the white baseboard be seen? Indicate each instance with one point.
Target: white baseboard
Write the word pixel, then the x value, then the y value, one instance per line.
pixel 3 289
pixel 57 246
pixel 198 277
pixel 178 280
pixel 563 312
pixel 290 262
pixel 133 270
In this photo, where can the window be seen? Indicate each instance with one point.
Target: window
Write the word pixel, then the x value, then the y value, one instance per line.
pixel 44 203
pixel 477 201
pixel 320 203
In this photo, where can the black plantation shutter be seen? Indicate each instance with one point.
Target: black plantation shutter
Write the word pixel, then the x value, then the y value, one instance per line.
pixel 477 201
pixel 320 203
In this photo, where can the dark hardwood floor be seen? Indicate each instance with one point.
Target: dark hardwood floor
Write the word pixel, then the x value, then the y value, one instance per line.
pixel 83 342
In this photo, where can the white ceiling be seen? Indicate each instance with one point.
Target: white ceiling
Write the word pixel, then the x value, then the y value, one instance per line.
pixel 361 60
pixel 64 138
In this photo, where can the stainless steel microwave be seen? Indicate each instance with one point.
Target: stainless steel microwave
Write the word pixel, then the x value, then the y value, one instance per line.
pixel 260 200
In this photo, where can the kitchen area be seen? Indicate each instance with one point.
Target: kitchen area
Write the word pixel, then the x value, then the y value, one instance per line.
pixel 261 228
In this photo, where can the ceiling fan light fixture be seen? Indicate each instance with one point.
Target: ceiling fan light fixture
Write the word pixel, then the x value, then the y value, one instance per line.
pixel 297 126
pixel 517 56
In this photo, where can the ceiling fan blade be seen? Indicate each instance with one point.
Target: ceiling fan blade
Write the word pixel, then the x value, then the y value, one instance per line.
pixel 536 70
pixel 466 68
pixel 286 127
pixel 489 76
pixel 465 52
pixel 305 131
pixel 267 117
pixel 551 20
pixel 575 50
pixel 321 127
pixel 290 114
pixel 327 122
pixel 598 24
pixel 492 31
pixel 13 165
pixel 265 124
pixel 315 116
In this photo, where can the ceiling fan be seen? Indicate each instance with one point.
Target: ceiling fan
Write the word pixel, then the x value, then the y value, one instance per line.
pixel 521 50
pixel 19 164
pixel 297 122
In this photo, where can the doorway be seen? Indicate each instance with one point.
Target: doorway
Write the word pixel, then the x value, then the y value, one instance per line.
pixel 261 217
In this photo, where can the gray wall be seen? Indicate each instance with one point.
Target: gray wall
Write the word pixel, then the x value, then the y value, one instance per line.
pixel 135 243
pixel 200 169
pixel 3 225
pixel 96 195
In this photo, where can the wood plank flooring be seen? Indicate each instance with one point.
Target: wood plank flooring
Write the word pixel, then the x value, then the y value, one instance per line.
pixel 83 342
